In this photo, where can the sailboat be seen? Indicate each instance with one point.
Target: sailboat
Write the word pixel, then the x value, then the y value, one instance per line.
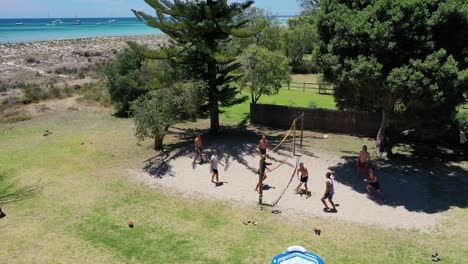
pixel 51 23
pixel 77 21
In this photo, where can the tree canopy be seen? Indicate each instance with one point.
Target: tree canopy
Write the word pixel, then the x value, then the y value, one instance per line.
pixel 263 71
pixel 200 33
pixel 399 57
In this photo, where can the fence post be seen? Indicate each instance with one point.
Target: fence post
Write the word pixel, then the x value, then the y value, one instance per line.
pixel 289 86
pixel 303 89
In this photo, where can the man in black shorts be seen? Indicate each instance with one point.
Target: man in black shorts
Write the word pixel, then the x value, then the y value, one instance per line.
pixel 263 145
pixel 261 171
pixel 303 179
pixel 373 182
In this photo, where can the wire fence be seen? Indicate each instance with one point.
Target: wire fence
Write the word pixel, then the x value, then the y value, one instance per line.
pixel 323 88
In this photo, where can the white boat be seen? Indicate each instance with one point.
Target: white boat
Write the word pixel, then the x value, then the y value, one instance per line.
pixel 19 23
pixel 51 23
pixel 111 21
pixel 77 21
pixel 99 22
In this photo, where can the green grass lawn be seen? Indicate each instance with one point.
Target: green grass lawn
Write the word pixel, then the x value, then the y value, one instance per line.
pixel 81 214
pixel 293 97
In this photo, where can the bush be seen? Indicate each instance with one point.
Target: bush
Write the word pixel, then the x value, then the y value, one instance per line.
pixel 32 93
pixel 462 119
pixel 30 60
pixel 96 92
pixel 306 67
pixel 55 92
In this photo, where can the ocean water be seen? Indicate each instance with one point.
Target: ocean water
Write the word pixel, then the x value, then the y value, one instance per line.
pixel 39 29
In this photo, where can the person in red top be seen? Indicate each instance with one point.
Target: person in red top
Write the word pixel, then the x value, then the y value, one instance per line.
pixel 263 145
pixel 363 161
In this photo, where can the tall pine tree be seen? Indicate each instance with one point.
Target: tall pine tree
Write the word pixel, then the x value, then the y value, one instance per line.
pixel 200 33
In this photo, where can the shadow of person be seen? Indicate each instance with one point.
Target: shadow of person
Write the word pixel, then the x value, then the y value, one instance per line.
pixel 220 184
pixel 267 187
pixel 2 214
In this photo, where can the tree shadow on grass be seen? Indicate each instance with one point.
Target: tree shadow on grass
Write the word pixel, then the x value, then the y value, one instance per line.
pixel 418 185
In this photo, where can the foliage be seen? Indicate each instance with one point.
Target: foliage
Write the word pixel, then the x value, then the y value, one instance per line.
pixel 271 35
pixel 201 33
pixel 124 80
pixel 95 92
pixel 299 40
pixel 33 93
pixel 154 112
pixel 11 190
pixel 309 6
pixel 263 71
pixel 392 56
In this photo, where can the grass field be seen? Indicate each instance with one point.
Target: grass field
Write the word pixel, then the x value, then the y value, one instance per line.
pixel 293 97
pixel 81 214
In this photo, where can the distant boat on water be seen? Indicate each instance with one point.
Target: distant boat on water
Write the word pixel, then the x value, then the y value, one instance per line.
pixel 111 21
pixel 77 21
pixel 51 23
pixel 99 22
pixel 19 23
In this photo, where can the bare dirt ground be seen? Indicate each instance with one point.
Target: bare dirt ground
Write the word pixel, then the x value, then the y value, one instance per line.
pixel 410 199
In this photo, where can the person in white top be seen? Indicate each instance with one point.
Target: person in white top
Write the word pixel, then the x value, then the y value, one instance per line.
pixel 329 191
pixel 462 137
pixel 214 167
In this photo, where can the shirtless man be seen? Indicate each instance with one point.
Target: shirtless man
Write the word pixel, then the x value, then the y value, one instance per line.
pixel 262 170
pixel 214 167
pixel 263 145
pixel 198 149
pixel 329 191
pixel 304 178
pixel 373 182
pixel 363 161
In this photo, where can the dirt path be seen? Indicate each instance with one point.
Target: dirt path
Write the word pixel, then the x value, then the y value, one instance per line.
pixel 405 206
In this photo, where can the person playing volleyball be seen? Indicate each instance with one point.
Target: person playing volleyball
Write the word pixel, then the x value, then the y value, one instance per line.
pixel 262 171
pixel 329 191
pixel 363 161
pixel 303 179
pixel 373 183
pixel 198 149
pixel 263 145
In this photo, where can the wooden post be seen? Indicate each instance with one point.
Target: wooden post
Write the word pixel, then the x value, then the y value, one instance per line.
pixel 302 127
pixel 303 89
pixel 294 139
pixel 260 179
pixel 289 86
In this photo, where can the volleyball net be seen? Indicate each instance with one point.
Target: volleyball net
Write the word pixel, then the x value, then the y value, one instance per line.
pixel 289 151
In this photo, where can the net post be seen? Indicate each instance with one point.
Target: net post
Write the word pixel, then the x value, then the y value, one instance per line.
pixel 260 179
pixel 302 127
pixel 294 139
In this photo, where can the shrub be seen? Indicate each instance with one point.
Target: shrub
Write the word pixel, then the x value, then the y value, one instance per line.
pixel 32 93
pixel 306 67
pixel 95 92
pixel 55 92
pixel 30 60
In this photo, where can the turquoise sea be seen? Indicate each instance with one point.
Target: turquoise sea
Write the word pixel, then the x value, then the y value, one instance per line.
pixel 42 29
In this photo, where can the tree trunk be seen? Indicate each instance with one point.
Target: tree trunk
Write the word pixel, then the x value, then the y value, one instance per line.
pixel 158 143
pixel 213 97
pixel 380 139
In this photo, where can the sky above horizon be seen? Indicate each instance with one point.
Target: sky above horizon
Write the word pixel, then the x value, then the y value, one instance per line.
pixel 108 8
